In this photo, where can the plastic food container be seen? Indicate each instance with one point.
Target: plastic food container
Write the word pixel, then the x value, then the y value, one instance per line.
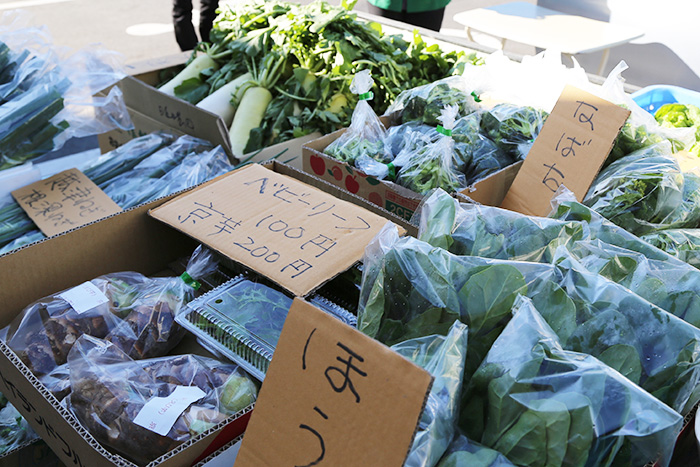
pixel 243 318
pixel 651 98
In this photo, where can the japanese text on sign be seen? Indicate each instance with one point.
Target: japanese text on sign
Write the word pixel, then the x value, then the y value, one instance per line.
pixel 291 232
pixel 330 394
pixel 570 149
pixel 63 202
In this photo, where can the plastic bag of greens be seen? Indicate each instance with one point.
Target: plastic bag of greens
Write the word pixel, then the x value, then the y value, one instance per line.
pixel 464 452
pixel 671 286
pixel 565 207
pixel 366 132
pixel 411 289
pixel 150 330
pixel 444 358
pixel 539 404
pixel 647 191
pixel 481 155
pixel 115 398
pixel 648 345
pixel 513 128
pixel 425 103
pixel 435 163
pixel 683 244
pixel 681 116
pixel 475 230
pixel 14 429
pixel 138 312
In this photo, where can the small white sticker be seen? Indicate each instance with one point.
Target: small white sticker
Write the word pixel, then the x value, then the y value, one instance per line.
pixel 160 413
pixel 84 297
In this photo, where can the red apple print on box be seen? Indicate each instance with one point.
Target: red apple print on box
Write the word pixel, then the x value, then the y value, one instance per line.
pixel 337 173
pixel 351 184
pixel 375 198
pixel 318 165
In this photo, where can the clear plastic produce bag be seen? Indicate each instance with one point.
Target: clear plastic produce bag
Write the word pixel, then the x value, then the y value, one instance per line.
pixel 425 103
pixel 464 452
pixel 480 154
pixel 490 232
pixel 539 404
pixel 150 330
pixel 443 357
pixel 433 162
pixel 512 128
pixel 683 244
pixel 365 136
pixel 118 399
pixel 14 429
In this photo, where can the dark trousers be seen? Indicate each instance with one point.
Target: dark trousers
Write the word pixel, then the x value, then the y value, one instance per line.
pixel 425 19
pixel 182 21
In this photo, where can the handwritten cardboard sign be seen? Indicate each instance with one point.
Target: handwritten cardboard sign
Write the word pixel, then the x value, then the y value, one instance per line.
pixel 63 202
pixel 293 233
pixel 570 149
pixel 333 396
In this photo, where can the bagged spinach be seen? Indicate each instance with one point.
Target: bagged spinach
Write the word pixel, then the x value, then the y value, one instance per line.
pixel 365 135
pixel 490 232
pixel 646 191
pixel 425 103
pixel 481 155
pixel 539 404
pixel 513 128
pixel 443 357
pixel 683 244
pixel 114 396
pixel 464 452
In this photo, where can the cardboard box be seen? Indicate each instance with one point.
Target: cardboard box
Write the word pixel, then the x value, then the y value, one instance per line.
pixel 35 452
pixel 394 198
pixel 130 240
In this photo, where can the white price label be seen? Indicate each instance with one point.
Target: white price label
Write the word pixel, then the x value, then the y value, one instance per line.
pixel 84 297
pixel 160 413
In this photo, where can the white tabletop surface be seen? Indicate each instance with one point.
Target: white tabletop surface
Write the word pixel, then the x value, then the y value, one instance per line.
pixel 547 29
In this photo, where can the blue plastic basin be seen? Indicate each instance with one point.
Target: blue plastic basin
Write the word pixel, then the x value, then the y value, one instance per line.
pixel 651 98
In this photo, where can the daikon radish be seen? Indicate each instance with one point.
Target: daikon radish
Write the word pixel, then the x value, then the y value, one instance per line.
pixel 196 66
pixel 219 102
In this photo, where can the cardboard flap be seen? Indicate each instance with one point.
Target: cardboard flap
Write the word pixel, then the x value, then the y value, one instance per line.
pixel 293 233
pixel 174 112
pixel 64 202
pixel 333 396
pixel 572 146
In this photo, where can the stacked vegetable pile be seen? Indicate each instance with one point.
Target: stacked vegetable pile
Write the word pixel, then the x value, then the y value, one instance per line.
pixel 142 170
pixel 46 98
pixel 443 138
pixel 278 70
pixel 595 367
pixel 14 429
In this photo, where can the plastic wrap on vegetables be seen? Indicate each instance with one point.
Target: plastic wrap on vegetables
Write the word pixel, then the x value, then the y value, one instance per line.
pixel 411 289
pixel 668 285
pixel 513 128
pixel 565 207
pixel 539 404
pixel 365 136
pixel 683 244
pixel 57 382
pixel 475 230
pixel 114 396
pixel 681 116
pixel 647 191
pixel 150 330
pixel 425 103
pixel 648 345
pixel 464 452
pixel 14 429
pixel 444 358
pixel 435 164
pixel 45 331
pixel 481 155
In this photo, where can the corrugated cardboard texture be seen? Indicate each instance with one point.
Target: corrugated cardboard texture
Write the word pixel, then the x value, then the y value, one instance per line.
pixel 572 146
pixel 64 202
pixel 334 395
pixel 288 152
pixel 492 189
pixel 293 233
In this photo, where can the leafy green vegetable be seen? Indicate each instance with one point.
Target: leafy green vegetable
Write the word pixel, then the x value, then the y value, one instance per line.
pixel 681 116
pixel 546 406
pixel 425 103
pixel 684 244
pixel 513 128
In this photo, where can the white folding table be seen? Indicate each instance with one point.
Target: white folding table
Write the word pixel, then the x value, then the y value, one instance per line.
pixel 547 29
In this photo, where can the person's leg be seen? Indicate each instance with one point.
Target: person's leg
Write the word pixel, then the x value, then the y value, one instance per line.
pixel 426 19
pixel 207 14
pixel 185 34
pixel 395 15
